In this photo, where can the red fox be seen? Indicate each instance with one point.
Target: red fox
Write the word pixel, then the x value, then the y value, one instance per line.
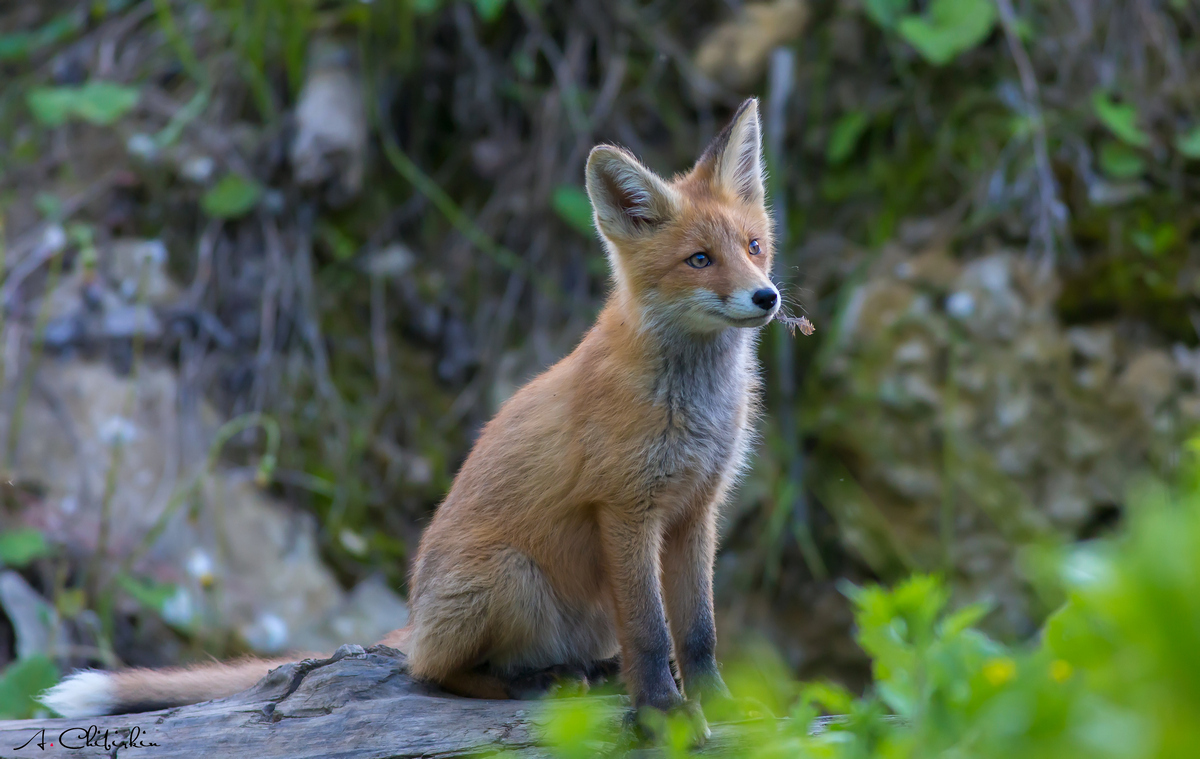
pixel 582 526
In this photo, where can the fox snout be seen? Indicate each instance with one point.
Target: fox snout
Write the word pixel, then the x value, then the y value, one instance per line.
pixel 765 298
pixel 752 306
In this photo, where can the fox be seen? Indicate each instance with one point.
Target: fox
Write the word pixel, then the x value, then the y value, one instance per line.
pixel 580 533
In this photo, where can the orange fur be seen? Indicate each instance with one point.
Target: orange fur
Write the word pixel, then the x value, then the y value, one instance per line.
pixel 583 522
pixel 201 682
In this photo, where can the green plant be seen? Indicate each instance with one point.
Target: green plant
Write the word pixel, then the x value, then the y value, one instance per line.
pixel 947 29
pixel 20 682
pixel 19 547
pixel 96 102
pixel 1115 673
pixel 234 195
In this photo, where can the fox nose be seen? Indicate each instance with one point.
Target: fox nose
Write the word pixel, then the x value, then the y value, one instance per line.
pixel 765 298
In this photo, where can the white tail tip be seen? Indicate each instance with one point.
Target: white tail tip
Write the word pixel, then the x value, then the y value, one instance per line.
pixel 83 694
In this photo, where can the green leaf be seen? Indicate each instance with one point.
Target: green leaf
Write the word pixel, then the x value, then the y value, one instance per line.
pixel 96 102
pixel 845 136
pixel 1120 161
pixel 16 45
pixel 885 13
pixel 949 28
pixel 1120 119
pixel 148 593
pixel 70 602
pixel 231 197
pixel 1189 144
pixel 340 244
pixel 572 206
pixel 48 205
pixel 19 547
pixel 489 10
pixel 965 618
pixel 21 682
pixel 20 44
pixel 425 7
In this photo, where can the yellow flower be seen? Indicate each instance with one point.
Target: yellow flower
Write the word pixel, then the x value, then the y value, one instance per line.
pixel 999 671
pixel 1060 671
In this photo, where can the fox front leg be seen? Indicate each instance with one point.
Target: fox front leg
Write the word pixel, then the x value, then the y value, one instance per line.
pixel 631 553
pixel 688 554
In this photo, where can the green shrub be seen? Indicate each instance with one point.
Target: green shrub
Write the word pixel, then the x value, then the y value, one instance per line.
pixel 1115 672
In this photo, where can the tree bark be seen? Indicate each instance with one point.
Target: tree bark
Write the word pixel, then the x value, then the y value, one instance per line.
pixel 357 704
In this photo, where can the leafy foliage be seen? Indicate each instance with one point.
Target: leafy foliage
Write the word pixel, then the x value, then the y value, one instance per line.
pixel 150 594
pixel 20 682
pixel 846 133
pixel 234 195
pixel 572 206
pixel 1189 144
pixel 951 27
pixel 22 44
pixel 1116 672
pixel 1120 161
pixel 947 29
pixel 19 547
pixel 96 102
pixel 1120 119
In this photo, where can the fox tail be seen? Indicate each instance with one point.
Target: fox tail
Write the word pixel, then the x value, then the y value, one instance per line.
pixel 93 693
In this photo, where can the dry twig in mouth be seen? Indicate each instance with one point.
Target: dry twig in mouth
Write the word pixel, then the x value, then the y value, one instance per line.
pixel 802 324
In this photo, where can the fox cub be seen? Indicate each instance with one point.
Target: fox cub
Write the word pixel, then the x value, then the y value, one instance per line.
pixel 582 526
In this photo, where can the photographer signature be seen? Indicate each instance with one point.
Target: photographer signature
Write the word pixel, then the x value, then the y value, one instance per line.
pixel 90 737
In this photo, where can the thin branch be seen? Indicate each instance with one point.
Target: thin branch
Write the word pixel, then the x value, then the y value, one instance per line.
pixel 1051 211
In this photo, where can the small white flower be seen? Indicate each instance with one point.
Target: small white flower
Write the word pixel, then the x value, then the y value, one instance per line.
pixel 117 430
pixel 198 169
pixel 142 145
pixel 200 566
pixel 54 239
pixel 153 251
pixel 960 305
pixel 353 542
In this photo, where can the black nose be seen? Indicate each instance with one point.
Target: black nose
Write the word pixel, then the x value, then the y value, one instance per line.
pixel 765 298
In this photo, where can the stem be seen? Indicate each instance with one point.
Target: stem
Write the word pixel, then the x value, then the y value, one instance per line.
pixel 39 333
pixel 227 432
pixel 1051 210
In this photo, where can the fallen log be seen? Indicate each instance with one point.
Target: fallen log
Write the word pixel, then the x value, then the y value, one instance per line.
pixel 357 704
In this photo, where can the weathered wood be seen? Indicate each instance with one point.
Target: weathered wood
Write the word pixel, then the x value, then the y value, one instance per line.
pixel 358 704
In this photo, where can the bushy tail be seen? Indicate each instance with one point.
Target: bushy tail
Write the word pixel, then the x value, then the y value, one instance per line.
pixel 93 693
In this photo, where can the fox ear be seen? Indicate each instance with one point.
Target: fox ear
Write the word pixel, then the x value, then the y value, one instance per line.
pixel 734 159
pixel 628 200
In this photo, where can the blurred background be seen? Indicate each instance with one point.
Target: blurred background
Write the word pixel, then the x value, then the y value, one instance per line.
pixel 269 265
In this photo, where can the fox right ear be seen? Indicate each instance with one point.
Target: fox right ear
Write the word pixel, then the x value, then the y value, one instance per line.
pixel 628 200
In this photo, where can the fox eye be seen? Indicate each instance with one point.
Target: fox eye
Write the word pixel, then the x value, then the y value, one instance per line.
pixel 754 248
pixel 699 260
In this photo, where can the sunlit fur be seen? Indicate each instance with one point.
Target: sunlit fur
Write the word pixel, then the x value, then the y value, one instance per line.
pixel 583 522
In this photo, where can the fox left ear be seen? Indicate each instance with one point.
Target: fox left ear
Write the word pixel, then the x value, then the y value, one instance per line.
pixel 734 159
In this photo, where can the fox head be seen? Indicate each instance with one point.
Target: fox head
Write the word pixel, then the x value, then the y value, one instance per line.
pixel 692 253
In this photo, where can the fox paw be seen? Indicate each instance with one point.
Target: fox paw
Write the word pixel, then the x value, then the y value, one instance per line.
pixel 648 724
